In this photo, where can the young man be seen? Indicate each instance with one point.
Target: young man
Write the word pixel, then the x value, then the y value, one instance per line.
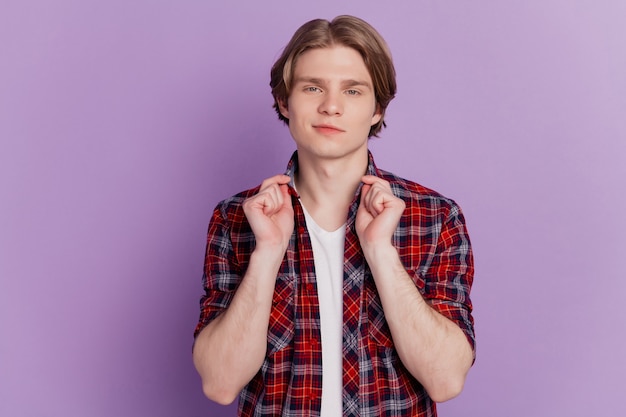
pixel 336 289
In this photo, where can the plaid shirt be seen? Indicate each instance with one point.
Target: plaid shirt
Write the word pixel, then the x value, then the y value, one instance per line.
pixel 434 247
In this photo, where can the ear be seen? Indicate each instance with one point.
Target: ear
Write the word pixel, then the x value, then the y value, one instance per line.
pixel 377 116
pixel 282 106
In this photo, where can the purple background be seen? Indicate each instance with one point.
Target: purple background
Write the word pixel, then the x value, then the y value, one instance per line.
pixel 122 123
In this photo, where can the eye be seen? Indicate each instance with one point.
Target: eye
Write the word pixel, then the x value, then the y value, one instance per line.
pixel 312 89
pixel 353 92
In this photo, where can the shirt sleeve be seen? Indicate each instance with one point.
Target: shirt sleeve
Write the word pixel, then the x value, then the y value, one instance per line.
pixel 449 278
pixel 221 271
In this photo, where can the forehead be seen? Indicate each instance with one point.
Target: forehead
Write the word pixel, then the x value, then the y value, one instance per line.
pixel 338 61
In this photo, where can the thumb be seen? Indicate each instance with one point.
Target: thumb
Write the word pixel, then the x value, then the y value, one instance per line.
pixel 364 190
pixel 284 189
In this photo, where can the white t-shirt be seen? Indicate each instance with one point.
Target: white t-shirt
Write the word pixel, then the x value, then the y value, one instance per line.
pixel 328 254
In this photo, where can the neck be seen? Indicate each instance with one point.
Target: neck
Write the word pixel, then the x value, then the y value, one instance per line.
pixel 327 187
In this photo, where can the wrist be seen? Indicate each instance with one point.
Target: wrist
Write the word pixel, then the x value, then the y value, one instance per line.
pixel 380 253
pixel 269 254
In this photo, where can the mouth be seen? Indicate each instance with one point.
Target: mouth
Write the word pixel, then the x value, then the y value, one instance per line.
pixel 327 129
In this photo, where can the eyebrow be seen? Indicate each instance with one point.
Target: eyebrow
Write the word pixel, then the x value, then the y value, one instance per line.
pixel 344 83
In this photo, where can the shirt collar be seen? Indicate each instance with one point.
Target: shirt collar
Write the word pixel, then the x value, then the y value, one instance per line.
pixel 292 167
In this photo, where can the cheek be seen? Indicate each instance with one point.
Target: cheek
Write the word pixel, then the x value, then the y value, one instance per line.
pixel 293 109
pixel 370 115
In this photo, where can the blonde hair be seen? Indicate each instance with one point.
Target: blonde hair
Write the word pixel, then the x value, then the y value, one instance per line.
pixel 344 30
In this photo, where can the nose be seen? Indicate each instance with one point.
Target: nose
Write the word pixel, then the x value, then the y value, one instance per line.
pixel 331 104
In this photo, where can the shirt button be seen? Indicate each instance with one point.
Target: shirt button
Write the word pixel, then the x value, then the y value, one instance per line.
pixel 312 396
pixel 310 288
pixel 313 343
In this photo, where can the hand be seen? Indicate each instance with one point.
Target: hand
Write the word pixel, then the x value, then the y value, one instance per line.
pixel 270 213
pixel 378 214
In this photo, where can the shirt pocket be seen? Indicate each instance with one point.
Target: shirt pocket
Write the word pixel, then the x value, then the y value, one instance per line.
pixel 378 328
pixel 282 316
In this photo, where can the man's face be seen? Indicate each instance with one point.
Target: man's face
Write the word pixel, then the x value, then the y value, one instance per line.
pixel 332 104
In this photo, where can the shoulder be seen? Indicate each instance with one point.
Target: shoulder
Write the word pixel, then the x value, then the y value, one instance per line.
pixel 423 203
pixel 416 195
pixel 231 208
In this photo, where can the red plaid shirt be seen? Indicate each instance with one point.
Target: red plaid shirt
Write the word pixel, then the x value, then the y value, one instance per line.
pixel 434 247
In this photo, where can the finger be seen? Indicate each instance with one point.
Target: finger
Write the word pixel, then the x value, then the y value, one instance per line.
pixel 276 179
pixel 376 203
pixel 274 200
pixel 373 197
pixel 366 199
pixel 266 200
pixel 372 180
pixel 286 197
pixel 272 188
pixel 364 192
pixel 380 197
pixel 280 197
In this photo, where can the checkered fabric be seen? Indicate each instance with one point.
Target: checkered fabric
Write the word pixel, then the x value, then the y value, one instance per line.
pixel 434 247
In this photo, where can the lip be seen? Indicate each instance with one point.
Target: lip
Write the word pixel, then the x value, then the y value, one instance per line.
pixel 328 129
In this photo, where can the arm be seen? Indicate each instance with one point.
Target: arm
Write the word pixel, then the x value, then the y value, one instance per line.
pixel 229 351
pixel 432 347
